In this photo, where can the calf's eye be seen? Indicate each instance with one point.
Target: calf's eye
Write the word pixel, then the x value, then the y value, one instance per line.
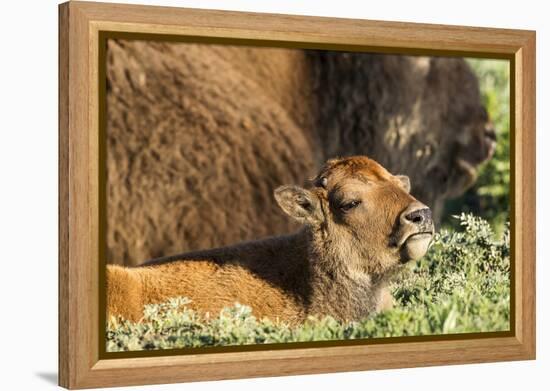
pixel 349 205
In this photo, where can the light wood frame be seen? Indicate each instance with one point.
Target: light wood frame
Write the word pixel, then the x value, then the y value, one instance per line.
pixel 80 24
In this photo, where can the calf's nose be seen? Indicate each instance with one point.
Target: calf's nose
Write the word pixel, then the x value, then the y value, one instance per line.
pixel 419 216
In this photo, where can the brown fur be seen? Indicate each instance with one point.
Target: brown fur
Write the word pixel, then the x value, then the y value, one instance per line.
pixel 198 136
pixel 337 265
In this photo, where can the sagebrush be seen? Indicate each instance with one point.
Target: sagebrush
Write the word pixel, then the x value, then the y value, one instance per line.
pixel 461 285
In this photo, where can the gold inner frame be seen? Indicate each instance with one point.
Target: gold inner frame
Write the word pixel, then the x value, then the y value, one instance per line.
pixel 103 36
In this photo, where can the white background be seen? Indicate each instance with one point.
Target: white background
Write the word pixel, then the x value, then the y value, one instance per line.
pixel 28 194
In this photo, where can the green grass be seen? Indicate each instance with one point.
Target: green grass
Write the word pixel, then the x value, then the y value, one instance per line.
pixel 461 285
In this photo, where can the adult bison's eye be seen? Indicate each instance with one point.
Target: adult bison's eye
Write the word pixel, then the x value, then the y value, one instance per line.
pixel 349 205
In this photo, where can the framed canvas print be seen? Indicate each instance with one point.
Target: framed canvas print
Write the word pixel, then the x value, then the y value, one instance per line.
pixel 248 195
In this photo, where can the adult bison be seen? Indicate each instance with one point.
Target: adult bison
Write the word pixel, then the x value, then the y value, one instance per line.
pixel 198 136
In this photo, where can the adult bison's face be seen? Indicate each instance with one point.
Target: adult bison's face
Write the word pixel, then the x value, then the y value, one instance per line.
pixel 467 137
pixel 475 145
pixel 361 215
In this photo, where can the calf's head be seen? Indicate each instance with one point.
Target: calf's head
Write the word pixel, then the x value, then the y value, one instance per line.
pixel 361 216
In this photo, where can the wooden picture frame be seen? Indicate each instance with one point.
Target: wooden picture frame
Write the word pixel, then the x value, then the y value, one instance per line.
pixel 81 363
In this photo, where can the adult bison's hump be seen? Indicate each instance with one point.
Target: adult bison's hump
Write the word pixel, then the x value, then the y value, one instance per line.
pixel 195 149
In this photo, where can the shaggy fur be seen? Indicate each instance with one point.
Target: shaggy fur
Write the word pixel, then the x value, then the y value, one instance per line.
pixel 337 265
pixel 417 116
pixel 198 136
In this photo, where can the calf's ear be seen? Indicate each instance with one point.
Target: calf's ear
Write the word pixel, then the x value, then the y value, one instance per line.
pixel 405 182
pixel 300 204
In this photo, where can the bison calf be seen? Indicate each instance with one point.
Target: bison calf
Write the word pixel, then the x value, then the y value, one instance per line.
pixel 360 226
